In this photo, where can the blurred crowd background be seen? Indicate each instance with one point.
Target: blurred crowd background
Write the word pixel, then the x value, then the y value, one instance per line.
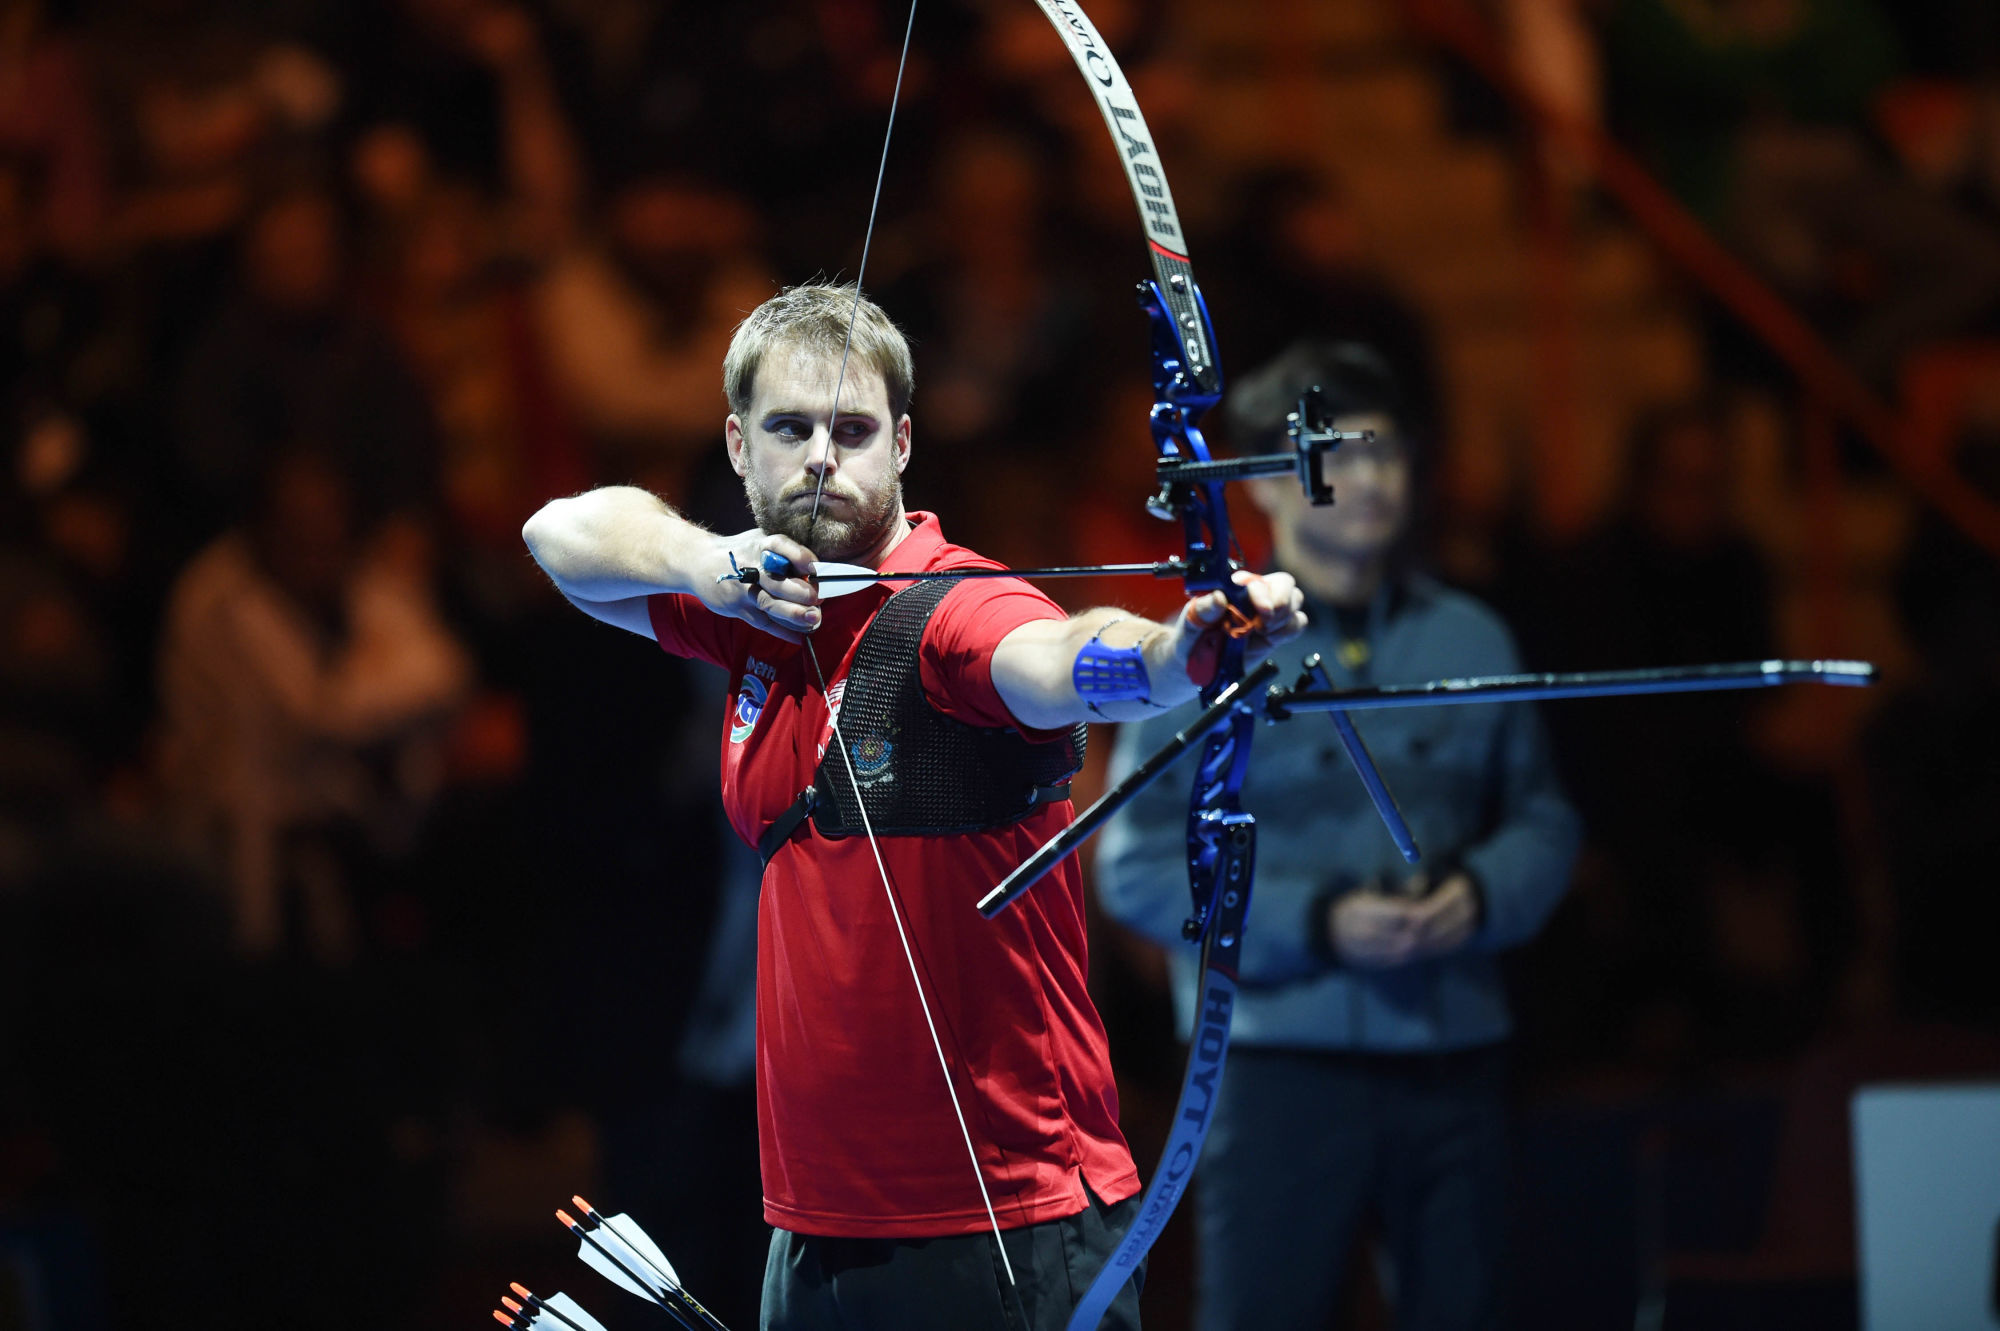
pixel 359 901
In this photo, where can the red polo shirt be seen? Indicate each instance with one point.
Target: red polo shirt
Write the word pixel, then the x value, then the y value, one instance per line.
pixel 857 1132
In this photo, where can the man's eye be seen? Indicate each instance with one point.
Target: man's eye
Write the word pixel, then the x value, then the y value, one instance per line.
pixel 789 430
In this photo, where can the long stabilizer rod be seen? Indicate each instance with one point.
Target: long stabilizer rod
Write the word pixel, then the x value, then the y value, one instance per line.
pixel 1280 703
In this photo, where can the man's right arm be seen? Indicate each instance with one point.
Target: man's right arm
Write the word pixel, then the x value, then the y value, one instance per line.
pixel 609 549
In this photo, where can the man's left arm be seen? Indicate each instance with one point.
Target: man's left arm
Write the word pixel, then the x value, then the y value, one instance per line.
pixel 1037 671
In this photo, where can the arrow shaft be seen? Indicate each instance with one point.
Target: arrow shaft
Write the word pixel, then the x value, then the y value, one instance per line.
pixel 1163 569
pixel 673 1310
pixel 675 1288
pixel 542 1306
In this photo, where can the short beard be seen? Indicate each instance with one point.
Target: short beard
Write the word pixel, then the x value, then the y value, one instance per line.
pixel 830 539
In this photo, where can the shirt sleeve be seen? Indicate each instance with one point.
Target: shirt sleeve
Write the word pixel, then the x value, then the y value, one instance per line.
pixel 683 626
pixel 957 656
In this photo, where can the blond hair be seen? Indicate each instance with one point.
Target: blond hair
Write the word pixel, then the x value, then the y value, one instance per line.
pixel 816 317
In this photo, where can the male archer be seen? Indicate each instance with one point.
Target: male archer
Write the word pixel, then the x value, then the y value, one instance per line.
pixel 892 754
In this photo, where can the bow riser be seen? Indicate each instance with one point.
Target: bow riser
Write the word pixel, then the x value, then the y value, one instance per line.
pixel 1180 401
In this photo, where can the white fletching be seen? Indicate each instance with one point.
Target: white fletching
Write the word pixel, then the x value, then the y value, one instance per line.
pixel 609 1269
pixel 867 578
pixel 566 1308
pixel 636 1238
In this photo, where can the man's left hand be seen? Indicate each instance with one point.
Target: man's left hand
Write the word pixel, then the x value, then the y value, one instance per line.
pixel 1446 917
pixel 1276 616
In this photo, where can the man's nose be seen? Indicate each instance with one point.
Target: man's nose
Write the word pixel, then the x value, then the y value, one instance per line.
pixel 819 457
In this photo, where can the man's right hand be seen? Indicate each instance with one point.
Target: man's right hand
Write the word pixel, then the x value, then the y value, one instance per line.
pixel 785 607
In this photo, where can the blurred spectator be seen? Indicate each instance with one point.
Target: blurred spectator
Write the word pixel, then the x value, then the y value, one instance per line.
pixel 1671 577
pixel 1367 1073
pixel 458 282
pixel 300 671
pixel 50 323
pixel 1756 905
pixel 1554 53
pixel 463 318
pixel 291 357
pixel 439 67
pixel 1000 330
pixel 1755 111
pixel 199 106
pixel 76 645
pixel 1932 773
pixel 1946 135
pixel 1294 263
pixel 57 685
pixel 656 111
pixel 636 323
pixel 49 128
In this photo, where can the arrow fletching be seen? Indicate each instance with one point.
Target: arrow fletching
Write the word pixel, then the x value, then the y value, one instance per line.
pixel 634 1237
pixel 611 1258
pixel 840 579
pixel 558 1312
pixel 564 1307
pixel 641 1243
pixel 619 1249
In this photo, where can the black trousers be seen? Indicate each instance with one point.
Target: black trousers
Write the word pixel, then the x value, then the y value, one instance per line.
pixel 1307 1145
pixel 949 1284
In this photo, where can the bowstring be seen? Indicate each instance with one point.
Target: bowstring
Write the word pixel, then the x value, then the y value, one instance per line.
pixel 909 955
pixel 833 715
pixel 861 273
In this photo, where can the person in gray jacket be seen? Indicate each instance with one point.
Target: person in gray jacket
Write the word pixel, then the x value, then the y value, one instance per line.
pixel 1366 1077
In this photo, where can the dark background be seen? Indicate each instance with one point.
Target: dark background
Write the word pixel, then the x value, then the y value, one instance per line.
pixel 306 304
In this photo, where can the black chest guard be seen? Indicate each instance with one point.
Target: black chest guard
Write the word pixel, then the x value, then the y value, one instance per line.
pixel 920 772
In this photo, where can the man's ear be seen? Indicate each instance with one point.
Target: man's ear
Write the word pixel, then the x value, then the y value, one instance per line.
pixel 732 434
pixel 903 443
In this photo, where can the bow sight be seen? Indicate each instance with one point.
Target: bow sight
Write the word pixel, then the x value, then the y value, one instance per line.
pixel 1312 438
pixel 1186 385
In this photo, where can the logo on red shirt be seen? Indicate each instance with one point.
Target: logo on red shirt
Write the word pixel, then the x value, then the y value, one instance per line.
pixel 751 696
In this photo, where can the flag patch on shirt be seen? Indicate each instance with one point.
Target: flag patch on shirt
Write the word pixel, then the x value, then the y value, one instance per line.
pixel 751 696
